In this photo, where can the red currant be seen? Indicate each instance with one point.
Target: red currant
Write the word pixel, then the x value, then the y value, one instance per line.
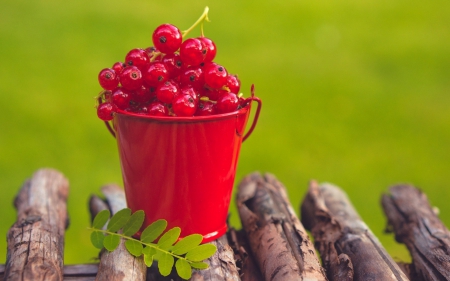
pixel 131 78
pixel 118 67
pixel 184 105
pixel 166 91
pixel 227 102
pixel 138 58
pixel 105 111
pixel 151 51
pixel 143 94
pixel 155 74
pixel 210 47
pixel 157 108
pixel 167 38
pixel 192 51
pixel 205 108
pixel 233 83
pixel 173 64
pixel 108 79
pixel 193 76
pixel 121 98
pixel 191 91
pixel 215 75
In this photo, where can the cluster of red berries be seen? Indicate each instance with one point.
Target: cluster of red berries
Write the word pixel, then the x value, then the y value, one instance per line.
pixel 174 77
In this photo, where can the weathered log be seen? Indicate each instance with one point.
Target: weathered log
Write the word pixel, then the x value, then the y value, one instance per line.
pixel 415 224
pixel 278 240
pixel 36 240
pixel 347 246
pixel 118 265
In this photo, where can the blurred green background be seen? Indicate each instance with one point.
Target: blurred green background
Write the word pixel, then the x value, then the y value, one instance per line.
pixel 356 93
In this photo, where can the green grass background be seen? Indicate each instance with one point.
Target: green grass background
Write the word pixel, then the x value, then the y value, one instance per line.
pixel 356 93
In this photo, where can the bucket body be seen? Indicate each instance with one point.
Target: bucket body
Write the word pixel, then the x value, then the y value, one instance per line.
pixel 181 169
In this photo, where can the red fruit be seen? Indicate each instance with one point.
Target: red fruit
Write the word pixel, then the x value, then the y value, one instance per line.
pixel 138 58
pixel 143 94
pixel 191 91
pixel 121 98
pixel 192 76
pixel 166 91
pixel 167 38
pixel 118 67
pixel 108 79
pixel 184 105
pixel 192 52
pixel 105 111
pixel 205 108
pixel 155 74
pixel 210 47
pixel 131 78
pixel 158 109
pixel 151 52
pixel 215 75
pixel 227 102
pixel 233 83
pixel 173 64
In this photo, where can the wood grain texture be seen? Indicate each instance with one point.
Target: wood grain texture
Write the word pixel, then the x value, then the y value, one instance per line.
pixel 36 240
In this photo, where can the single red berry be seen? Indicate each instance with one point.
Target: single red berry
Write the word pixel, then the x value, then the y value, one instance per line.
pixel 158 108
pixel 193 76
pixel 215 75
pixel 131 78
pixel 121 98
pixel 173 64
pixel 167 38
pixel 118 67
pixel 192 51
pixel 143 94
pixel 233 84
pixel 210 47
pixel 137 57
pixel 227 102
pixel 191 91
pixel 205 108
pixel 155 74
pixel 108 79
pixel 184 105
pixel 105 111
pixel 167 90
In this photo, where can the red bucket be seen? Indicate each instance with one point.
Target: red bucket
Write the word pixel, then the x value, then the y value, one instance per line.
pixel 182 169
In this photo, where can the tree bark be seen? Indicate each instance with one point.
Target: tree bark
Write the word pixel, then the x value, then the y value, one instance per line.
pixel 278 240
pixel 348 248
pixel 36 240
pixel 415 224
pixel 118 265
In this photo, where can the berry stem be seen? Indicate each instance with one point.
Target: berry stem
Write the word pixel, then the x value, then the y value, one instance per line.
pixel 201 19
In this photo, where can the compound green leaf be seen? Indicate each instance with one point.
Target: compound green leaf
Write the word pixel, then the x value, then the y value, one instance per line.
pixel 134 247
pixel 165 264
pixel 111 242
pixel 183 268
pixel 169 238
pixel 134 223
pixel 119 219
pixel 187 243
pixel 100 219
pixel 97 239
pixel 199 265
pixel 201 252
pixel 153 231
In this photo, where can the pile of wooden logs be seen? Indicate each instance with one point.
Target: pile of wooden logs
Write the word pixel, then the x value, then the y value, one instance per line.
pixel 272 244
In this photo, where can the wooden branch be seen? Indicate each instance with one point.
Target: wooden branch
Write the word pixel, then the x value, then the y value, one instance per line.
pixel 415 224
pixel 278 241
pixel 347 246
pixel 118 265
pixel 36 240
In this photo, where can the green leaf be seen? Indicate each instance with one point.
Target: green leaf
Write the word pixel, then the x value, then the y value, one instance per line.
pixel 183 268
pixel 199 265
pixel 187 243
pixel 111 242
pixel 201 252
pixel 134 223
pixel 134 247
pixel 168 238
pixel 165 264
pixel 148 260
pixel 97 239
pixel 118 220
pixel 153 231
pixel 100 219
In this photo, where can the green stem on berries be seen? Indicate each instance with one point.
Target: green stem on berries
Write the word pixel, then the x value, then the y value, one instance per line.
pixel 201 19
pixel 151 245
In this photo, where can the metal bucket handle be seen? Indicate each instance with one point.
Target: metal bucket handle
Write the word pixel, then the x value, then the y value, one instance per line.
pixel 247 101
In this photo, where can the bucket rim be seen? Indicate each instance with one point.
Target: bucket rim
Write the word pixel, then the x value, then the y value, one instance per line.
pixel 240 111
